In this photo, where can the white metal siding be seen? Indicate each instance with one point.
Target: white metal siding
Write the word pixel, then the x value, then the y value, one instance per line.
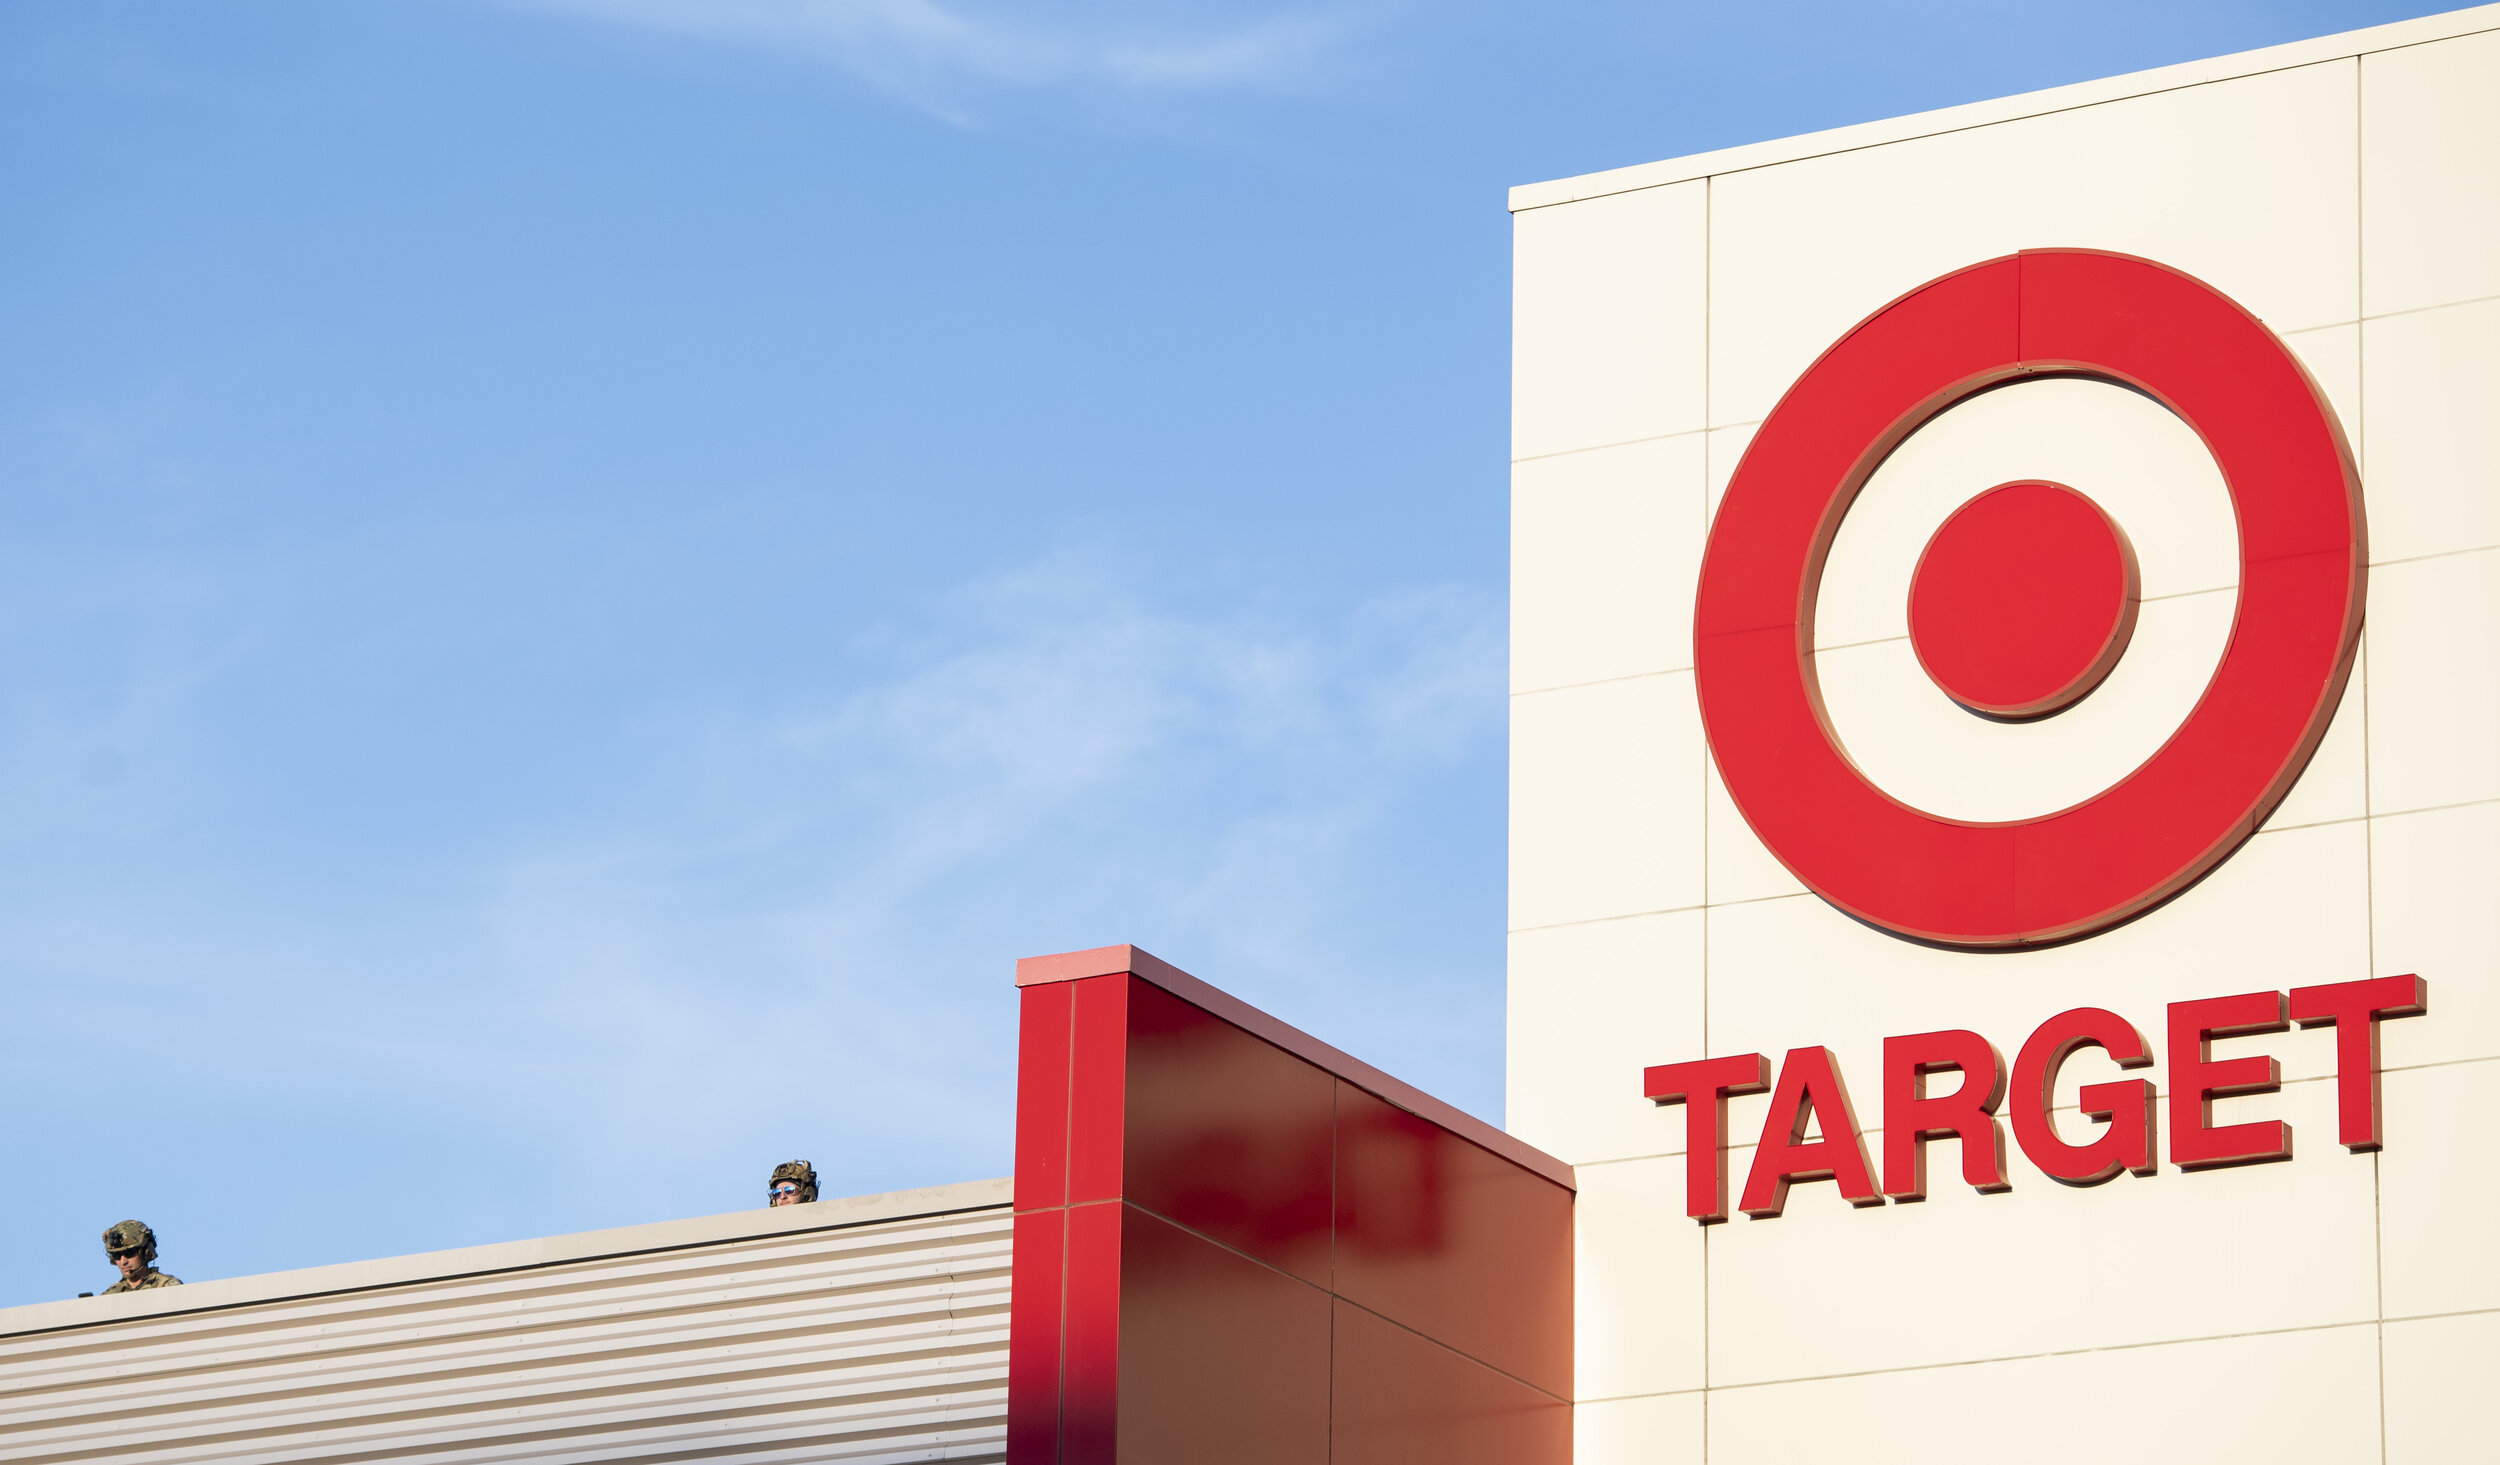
pixel 879 1341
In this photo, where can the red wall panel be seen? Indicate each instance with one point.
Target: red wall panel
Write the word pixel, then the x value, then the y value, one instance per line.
pixel 1401 1399
pixel 1228 1135
pixel 1042 1059
pixel 1223 1361
pixel 1456 1243
pixel 1036 1302
pixel 1089 1403
pixel 1230 1247
pixel 1097 1089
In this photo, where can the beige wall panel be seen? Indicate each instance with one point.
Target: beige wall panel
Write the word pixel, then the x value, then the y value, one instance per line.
pixel 1741 866
pixel 1605 545
pixel 2441 1407
pixel 2435 682
pixel 2432 464
pixel 1726 448
pixel 1605 782
pixel 1607 301
pixel 1581 1089
pixel 2430 128
pixel 2438 1191
pixel 2247 184
pixel 2292 1399
pixel 1656 1431
pixel 2435 912
pixel 1828 1288
pixel 1641 1274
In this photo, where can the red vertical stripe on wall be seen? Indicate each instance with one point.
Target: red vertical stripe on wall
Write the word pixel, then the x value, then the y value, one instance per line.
pixel 1090 1408
pixel 1098 1089
pixel 1035 1296
pixel 1042 1058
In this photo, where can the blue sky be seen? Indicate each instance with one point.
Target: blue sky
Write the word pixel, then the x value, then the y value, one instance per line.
pixel 579 577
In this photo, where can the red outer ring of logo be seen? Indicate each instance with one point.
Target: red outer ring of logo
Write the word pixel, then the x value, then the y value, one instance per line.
pixel 2303 574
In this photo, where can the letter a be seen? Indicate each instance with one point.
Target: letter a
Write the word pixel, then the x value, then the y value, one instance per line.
pixel 1809 1091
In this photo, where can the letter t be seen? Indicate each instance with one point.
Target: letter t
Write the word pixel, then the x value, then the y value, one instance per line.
pixel 1700 1087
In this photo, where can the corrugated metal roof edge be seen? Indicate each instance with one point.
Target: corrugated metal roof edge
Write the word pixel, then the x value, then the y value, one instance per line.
pixel 2339 47
pixel 509 1256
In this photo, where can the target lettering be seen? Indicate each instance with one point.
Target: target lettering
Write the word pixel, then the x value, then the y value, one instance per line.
pixel 1955 1086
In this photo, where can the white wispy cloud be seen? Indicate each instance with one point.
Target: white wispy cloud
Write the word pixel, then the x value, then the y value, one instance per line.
pixel 781 922
pixel 1041 722
pixel 915 45
pixel 1044 760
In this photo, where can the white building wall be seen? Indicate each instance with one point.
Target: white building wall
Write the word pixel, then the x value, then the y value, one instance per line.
pixel 862 1330
pixel 2339 1307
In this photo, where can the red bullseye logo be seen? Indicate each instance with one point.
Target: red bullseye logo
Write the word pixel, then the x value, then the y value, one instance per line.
pixel 2026 597
pixel 2023 601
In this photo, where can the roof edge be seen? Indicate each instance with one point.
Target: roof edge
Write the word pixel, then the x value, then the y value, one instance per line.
pixel 2344 45
pixel 1107 961
pixel 508 1256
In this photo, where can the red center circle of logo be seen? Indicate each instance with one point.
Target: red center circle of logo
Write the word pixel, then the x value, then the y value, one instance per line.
pixel 2303 573
pixel 2023 601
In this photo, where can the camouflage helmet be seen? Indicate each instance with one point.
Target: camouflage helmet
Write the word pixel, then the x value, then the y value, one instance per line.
pixel 800 1171
pixel 135 1236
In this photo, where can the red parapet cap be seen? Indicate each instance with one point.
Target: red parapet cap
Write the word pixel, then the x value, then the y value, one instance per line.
pixel 1108 961
pixel 1101 961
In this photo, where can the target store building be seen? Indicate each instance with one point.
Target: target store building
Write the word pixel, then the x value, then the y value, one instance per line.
pixel 2006 743
pixel 2004 912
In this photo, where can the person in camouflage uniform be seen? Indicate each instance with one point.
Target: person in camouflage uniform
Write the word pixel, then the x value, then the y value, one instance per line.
pixel 132 1247
pixel 792 1184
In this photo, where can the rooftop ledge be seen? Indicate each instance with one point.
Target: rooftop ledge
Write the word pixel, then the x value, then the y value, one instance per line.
pixel 2006 109
pixel 507 1256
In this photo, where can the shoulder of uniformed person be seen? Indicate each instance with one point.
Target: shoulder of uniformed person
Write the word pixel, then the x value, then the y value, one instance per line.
pixel 152 1279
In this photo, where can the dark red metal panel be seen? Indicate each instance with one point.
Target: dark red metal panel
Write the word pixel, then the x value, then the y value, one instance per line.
pixel 1200 1189
pixel 1097 1088
pixel 1090 1402
pixel 1228 1135
pixel 1035 1299
pixel 1400 1399
pixel 1223 1361
pixel 1042 1096
pixel 1453 1242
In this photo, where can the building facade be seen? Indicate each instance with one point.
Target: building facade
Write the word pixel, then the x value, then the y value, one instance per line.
pixel 2005 905
pixel 1813 826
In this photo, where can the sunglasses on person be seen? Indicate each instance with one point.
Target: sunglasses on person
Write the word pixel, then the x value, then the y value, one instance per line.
pixel 785 1188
